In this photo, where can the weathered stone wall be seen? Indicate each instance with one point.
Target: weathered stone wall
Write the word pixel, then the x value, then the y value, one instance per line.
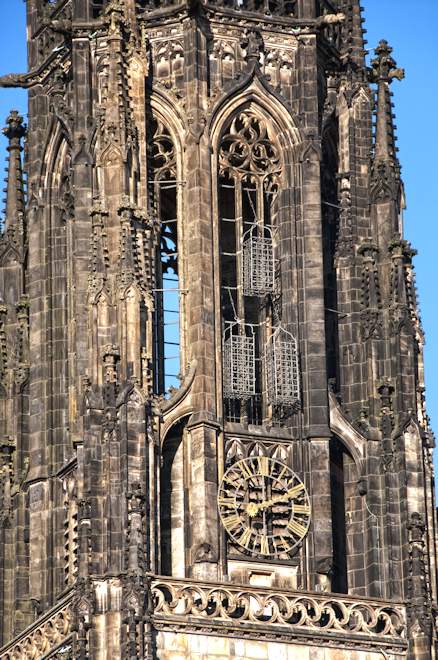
pixel 180 646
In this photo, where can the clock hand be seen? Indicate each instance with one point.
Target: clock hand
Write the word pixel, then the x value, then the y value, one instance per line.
pixel 288 495
pixel 252 508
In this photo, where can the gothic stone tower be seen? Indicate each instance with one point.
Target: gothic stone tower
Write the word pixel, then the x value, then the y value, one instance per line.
pixel 213 433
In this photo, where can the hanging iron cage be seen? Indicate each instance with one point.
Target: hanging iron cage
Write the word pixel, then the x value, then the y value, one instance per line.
pixel 258 262
pixel 239 372
pixel 282 369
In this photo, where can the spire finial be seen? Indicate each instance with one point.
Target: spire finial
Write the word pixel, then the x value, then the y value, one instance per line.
pixel 384 70
pixel 384 67
pixel 15 127
pixel 14 130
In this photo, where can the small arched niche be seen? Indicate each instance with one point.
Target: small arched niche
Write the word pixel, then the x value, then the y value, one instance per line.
pixel 173 502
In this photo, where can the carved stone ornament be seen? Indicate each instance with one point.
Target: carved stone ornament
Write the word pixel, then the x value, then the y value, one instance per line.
pixel 216 605
pixel 191 605
pixel 248 148
pixel 371 313
pixel 162 152
pixel 253 45
pixel 383 66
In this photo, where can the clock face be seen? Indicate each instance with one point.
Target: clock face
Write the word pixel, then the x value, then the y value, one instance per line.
pixel 264 506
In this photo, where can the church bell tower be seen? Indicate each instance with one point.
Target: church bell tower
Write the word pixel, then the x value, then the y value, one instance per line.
pixel 213 436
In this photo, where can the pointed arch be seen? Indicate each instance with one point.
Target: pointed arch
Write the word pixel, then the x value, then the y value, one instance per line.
pixel 162 106
pixel 256 145
pixel 9 255
pixel 165 134
pixel 173 541
pixel 361 101
pixel 354 442
pixel 57 142
pixel 257 94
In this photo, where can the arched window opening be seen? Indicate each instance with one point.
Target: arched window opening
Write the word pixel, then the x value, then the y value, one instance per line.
pixel 167 294
pixel 349 520
pixel 337 478
pixel 172 504
pixel 249 180
pixel 334 242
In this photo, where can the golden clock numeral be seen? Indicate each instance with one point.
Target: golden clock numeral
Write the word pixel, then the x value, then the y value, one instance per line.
pixel 263 465
pixel 293 492
pixel 283 472
pixel 231 479
pixel 245 539
pixel 226 501
pixel 264 546
pixel 302 508
pixel 278 543
pixel 296 528
pixel 232 522
pixel 246 472
pixel 286 546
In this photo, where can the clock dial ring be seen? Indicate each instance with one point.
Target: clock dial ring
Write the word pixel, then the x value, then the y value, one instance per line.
pixel 264 506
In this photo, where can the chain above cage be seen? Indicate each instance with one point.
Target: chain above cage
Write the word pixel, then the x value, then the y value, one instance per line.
pixel 258 262
pixel 282 369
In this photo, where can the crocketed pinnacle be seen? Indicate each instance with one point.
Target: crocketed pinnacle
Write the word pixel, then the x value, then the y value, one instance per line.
pixel 353 42
pixel 384 70
pixel 14 131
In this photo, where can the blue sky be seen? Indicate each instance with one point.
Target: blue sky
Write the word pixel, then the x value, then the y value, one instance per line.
pixel 411 30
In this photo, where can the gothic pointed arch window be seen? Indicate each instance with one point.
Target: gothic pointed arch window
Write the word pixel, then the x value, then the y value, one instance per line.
pixel 251 174
pixel 164 188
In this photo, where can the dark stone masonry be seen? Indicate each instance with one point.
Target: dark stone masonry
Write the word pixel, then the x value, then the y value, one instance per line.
pixel 213 436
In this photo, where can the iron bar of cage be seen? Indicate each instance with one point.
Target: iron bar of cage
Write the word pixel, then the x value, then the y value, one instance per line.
pixel 171 289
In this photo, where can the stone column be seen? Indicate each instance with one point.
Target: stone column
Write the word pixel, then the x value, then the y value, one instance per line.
pixel 322 560
pixel 204 538
pixel 201 429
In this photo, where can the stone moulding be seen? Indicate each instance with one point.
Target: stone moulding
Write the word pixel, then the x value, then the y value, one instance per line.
pixel 218 609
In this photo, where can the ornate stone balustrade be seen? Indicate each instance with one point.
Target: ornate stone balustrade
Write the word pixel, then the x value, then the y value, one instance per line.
pixel 245 612
pixel 50 632
pixel 315 618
